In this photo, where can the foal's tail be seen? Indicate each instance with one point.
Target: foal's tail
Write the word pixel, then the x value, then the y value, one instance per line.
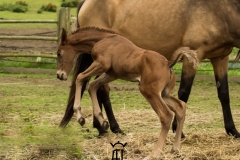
pixel 184 51
pixel 82 63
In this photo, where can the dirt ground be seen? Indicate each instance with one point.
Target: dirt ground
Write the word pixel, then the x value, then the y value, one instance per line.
pixel 28 46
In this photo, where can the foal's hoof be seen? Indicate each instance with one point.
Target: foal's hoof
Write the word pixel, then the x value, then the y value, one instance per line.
pixel 105 125
pixel 175 150
pixel 81 121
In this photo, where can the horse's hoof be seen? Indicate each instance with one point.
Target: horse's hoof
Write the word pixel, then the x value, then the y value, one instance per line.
pixel 233 132
pixel 183 135
pixel 175 150
pixel 81 121
pixel 118 131
pixel 102 135
pixel 105 125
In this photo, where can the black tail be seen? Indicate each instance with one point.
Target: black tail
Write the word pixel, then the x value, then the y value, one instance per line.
pixel 82 63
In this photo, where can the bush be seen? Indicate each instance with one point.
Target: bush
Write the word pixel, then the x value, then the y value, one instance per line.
pixel 39 11
pixel 19 8
pixel 49 7
pixel 71 4
pixel 5 7
pixel 22 3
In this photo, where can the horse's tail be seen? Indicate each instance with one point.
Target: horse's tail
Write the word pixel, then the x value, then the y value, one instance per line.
pixel 184 51
pixel 82 63
pixel 237 57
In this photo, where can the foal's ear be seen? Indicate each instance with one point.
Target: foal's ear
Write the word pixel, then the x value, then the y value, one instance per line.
pixel 63 36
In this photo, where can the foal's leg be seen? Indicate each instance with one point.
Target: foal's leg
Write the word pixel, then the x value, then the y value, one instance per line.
pixel 152 93
pixel 178 107
pixel 100 94
pixel 93 87
pixel 188 74
pixel 103 99
pixel 92 70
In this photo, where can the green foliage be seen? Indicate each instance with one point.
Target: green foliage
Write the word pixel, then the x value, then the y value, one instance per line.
pixel 71 4
pixel 5 7
pixel 22 3
pixel 39 11
pixel 34 12
pixel 19 6
pixel 49 7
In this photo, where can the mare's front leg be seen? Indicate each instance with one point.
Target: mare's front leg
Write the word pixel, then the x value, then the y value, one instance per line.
pixel 92 70
pixel 220 66
pixel 93 87
pixel 187 77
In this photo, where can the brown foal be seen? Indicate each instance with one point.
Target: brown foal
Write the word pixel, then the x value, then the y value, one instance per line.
pixel 116 57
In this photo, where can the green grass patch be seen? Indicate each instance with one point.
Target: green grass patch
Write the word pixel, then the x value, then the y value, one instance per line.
pixel 32 14
pixel 32 62
pixel 31 109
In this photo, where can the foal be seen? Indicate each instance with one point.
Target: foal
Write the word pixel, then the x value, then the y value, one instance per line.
pixel 116 57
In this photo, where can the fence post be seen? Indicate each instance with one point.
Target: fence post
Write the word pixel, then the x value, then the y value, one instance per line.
pixel 64 20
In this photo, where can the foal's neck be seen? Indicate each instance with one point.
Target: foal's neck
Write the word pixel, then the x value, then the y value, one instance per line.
pixel 84 40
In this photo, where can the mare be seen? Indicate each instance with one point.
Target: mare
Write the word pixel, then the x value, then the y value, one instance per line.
pixel 116 57
pixel 209 27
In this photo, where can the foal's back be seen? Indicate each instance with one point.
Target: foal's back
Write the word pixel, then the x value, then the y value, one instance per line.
pixel 125 60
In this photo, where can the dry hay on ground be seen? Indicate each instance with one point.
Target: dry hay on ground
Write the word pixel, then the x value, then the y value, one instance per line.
pixel 142 133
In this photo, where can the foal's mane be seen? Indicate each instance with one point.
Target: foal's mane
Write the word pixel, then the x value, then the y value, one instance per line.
pixel 94 29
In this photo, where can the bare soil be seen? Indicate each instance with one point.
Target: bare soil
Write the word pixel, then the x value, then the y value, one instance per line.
pixel 28 46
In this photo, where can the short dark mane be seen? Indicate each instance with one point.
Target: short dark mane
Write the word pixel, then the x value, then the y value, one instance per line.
pixel 94 28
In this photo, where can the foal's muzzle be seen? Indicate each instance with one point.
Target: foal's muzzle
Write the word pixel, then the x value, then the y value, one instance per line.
pixel 61 76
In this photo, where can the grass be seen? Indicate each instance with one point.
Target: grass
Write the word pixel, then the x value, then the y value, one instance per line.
pixel 32 105
pixel 33 7
pixel 30 112
pixel 23 62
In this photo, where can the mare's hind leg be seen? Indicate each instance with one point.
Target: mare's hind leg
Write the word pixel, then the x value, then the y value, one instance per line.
pixel 220 66
pixel 93 87
pixel 152 93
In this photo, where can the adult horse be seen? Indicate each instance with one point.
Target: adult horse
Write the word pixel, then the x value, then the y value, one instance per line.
pixel 211 28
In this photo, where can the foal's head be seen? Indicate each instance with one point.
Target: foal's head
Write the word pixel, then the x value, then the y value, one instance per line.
pixel 66 56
